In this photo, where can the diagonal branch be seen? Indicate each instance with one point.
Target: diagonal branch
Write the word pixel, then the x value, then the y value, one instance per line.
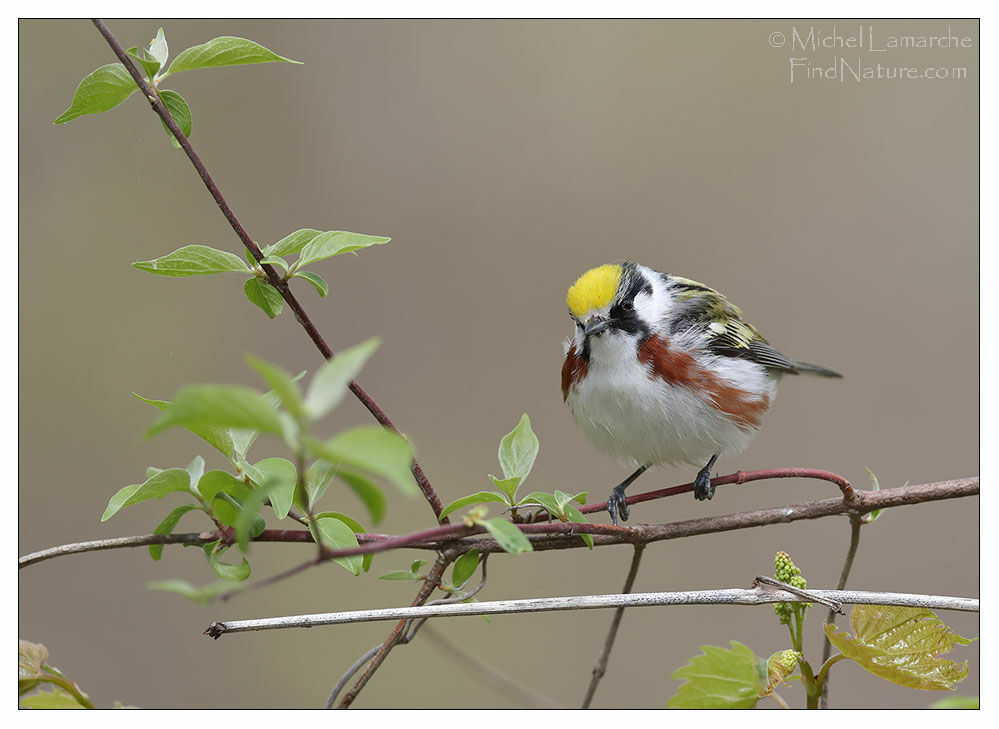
pixel 272 276
pixel 601 668
pixel 430 583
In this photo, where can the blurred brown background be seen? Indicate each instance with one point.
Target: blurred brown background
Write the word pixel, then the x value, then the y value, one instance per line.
pixel 504 158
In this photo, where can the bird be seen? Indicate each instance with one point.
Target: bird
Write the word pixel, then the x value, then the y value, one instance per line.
pixel 661 369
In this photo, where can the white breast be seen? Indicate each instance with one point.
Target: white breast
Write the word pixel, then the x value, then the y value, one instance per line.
pixel 627 413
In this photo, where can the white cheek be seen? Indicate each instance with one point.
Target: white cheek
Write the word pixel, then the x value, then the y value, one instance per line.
pixel 654 307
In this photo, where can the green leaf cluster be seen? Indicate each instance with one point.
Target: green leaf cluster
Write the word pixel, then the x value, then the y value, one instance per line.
pixel 311 246
pixel 518 450
pixel 230 418
pixel 108 86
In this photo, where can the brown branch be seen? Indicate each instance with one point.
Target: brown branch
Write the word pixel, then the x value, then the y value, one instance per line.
pixel 273 277
pixel 561 536
pixel 430 583
pixel 558 535
pixel 601 668
pixel 406 637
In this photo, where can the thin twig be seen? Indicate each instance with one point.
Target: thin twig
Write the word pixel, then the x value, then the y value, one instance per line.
pixel 808 595
pixel 272 275
pixel 855 523
pixel 430 583
pixel 739 477
pixel 98 545
pixel 734 596
pixel 405 638
pixel 601 667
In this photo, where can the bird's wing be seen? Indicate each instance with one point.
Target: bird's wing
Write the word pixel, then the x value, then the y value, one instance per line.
pixel 720 325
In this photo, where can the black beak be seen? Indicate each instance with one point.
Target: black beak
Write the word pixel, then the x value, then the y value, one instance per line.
pixel 595 325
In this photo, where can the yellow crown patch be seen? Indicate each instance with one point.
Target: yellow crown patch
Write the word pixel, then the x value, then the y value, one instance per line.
pixel 595 289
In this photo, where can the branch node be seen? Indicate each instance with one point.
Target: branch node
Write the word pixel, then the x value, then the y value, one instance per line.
pixel 215 630
pixel 768 585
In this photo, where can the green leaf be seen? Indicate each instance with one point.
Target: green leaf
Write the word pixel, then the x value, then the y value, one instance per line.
pixel 372 449
pixel 249 523
pixel 333 243
pixel 158 48
pixel 292 243
pixel 195 260
pixel 318 477
pixel 216 482
pixel 262 294
pixel 155 487
pixel 337 535
pixel 546 500
pixel 30 659
pixel 902 645
pixel 166 527
pixel 329 385
pixel 355 526
pixel 102 90
pixel 316 280
pixel 464 567
pixel 508 536
pixel 218 438
pixel 399 575
pixel 150 66
pixel 477 498
pixel 577 517
pixel 196 469
pixel 282 383
pixel 275 261
pixel 518 449
pixel 369 494
pixel 55 699
pixel 199 594
pixel 280 478
pixel 224 406
pixel 225 570
pixel 181 114
pixel 508 486
pixel 719 679
pixel 956 702
pixel 242 439
pixel 562 498
pixel 223 51
pixel 875 486
pixel 229 509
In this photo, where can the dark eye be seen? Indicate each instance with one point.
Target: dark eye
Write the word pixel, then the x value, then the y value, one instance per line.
pixel 628 305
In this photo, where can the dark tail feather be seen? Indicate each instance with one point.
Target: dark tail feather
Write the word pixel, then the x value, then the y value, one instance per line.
pixel 807 368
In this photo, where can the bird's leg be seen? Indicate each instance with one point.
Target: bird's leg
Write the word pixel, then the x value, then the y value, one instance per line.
pixel 616 503
pixel 702 484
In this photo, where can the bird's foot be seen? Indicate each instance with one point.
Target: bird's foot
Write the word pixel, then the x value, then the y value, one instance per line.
pixel 617 504
pixel 703 490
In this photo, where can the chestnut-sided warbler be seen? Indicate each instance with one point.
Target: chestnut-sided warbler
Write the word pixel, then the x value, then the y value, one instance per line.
pixel 663 370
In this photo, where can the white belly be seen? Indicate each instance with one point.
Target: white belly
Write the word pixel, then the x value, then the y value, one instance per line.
pixel 627 413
